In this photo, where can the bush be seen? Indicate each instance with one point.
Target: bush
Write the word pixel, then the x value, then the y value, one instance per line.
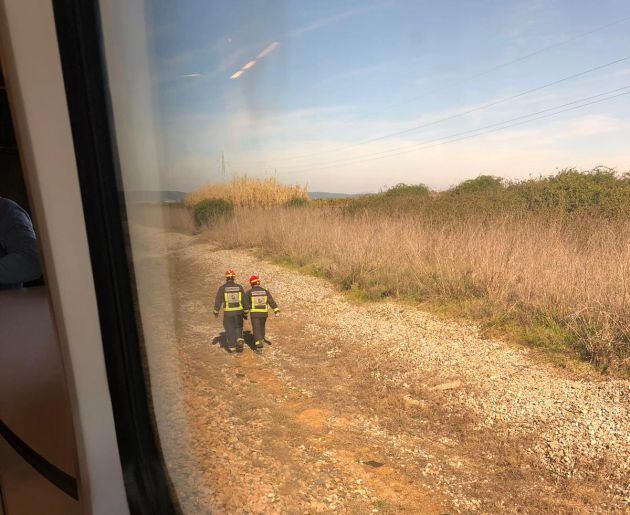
pixel 409 190
pixel 210 211
pixel 401 198
pixel 481 184
pixel 600 191
pixel 296 202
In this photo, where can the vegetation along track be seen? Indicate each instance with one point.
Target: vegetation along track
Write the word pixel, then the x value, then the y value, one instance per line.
pixel 372 407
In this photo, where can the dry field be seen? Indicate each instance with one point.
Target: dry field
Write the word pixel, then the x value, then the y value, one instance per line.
pixel 363 408
pixel 561 284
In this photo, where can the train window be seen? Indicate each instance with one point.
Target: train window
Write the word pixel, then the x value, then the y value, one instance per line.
pixel 377 250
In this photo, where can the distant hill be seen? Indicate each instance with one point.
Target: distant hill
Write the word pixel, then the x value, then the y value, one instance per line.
pixel 315 195
pixel 156 196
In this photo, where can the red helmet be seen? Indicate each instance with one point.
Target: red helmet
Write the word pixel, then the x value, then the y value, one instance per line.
pixel 230 272
pixel 254 279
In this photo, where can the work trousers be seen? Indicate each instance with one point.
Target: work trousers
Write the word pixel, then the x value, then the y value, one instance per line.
pixel 258 327
pixel 233 325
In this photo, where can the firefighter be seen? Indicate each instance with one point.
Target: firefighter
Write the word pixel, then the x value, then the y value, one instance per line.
pixel 259 300
pixel 231 297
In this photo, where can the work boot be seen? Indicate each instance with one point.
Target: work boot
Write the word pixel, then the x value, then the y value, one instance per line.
pixel 231 350
pixel 260 344
pixel 239 344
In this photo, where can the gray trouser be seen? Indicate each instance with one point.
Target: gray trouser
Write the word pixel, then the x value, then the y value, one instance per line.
pixel 258 327
pixel 233 325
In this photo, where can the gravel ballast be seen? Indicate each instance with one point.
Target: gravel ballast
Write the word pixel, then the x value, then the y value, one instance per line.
pixel 564 429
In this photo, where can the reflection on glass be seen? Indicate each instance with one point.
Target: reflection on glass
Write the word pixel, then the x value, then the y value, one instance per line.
pixel 408 179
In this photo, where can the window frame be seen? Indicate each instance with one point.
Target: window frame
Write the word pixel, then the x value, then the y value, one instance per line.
pixel 85 78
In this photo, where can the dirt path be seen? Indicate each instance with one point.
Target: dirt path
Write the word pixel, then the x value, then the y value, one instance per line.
pixel 373 408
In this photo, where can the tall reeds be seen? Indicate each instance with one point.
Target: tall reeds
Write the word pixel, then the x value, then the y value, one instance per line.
pixel 249 192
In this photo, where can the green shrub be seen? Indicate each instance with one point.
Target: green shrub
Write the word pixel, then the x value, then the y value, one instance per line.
pixel 209 211
pixel 599 191
pixel 296 202
pixel 409 190
pixel 481 184
pixel 401 198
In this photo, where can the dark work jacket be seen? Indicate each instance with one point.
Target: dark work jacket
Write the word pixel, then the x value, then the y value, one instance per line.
pixel 230 287
pixel 19 257
pixel 262 292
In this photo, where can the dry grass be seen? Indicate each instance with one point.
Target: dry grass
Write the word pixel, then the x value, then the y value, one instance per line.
pixel 563 284
pixel 247 192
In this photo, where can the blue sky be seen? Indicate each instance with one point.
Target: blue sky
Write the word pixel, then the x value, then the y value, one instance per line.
pixel 307 91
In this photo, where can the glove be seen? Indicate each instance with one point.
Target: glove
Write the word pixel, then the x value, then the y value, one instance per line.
pixel 277 313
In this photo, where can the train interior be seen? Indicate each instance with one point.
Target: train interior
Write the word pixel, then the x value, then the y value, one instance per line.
pixel 38 458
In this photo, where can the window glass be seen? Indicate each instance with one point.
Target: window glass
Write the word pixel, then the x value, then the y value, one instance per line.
pixel 381 250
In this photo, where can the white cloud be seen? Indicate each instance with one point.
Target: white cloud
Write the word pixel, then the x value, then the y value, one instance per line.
pixel 557 132
pixel 591 125
pixel 314 146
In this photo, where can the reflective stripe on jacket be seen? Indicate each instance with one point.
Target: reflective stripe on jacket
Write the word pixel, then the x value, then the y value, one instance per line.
pixel 259 302
pixel 260 299
pixel 231 297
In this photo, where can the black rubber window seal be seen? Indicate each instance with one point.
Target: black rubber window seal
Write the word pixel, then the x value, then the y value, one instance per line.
pixel 79 35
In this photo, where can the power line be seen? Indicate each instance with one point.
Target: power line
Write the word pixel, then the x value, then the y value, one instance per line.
pixel 413 146
pixel 497 102
pixel 479 132
pixel 494 68
pixel 425 146
pixel 476 109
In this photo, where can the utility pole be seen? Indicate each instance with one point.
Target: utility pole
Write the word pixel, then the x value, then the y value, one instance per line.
pixel 223 166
